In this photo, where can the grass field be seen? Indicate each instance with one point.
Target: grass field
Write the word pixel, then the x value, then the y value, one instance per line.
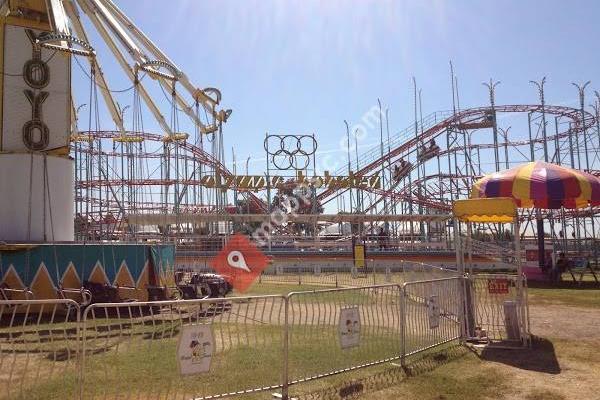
pixel 139 361
pixel 589 298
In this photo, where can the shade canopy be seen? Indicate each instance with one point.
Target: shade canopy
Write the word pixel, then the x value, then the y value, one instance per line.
pixel 485 210
pixel 541 185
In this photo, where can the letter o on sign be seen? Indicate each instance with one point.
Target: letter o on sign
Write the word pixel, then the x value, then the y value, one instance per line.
pixel 35 128
pixel 36 74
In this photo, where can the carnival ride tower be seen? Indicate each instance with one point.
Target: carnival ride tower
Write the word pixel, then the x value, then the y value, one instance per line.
pixel 36 172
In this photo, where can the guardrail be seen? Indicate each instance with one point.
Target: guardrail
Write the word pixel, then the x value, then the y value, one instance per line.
pixel 214 348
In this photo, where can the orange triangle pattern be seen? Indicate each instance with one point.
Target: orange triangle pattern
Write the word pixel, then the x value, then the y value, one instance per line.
pixel 43 286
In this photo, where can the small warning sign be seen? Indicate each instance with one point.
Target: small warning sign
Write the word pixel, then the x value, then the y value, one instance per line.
pixel 433 312
pixel 195 349
pixel 498 286
pixel 349 327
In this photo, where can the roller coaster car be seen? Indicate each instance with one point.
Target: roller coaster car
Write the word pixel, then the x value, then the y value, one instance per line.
pixel 401 170
pixel 195 285
pixel 426 153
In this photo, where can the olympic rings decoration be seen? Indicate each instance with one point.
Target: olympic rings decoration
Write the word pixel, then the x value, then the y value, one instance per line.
pixel 290 151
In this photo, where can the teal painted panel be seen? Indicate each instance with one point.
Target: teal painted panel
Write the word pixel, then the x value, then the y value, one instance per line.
pixel 84 257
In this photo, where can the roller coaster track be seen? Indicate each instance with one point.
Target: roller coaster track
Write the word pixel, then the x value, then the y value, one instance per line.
pixel 198 154
pixel 433 127
pixel 404 143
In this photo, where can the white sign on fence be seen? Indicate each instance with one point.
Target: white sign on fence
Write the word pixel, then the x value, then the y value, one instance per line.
pixel 349 327
pixel 195 349
pixel 433 312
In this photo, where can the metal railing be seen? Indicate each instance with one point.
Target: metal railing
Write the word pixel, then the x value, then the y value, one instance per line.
pixel 39 348
pixel 131 350
pixel 344 329
pixel 342 272
pixel 497 309
pixel 214 348
pixel 433 314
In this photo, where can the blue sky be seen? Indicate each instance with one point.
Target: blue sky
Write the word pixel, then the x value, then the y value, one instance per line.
pixel 305 66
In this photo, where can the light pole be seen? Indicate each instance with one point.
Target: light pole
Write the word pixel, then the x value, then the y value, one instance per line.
pixel 247 197
pixel 78 206
pixel 385 206
pixel 77 113
pixel 540 221
pixel 349 161
pixel 581 90
pixel 540 87
pixel 492 91
pixel 504 133
pixel 597 109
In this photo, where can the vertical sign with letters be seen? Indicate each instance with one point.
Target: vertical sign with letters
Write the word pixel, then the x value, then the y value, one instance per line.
pixel 36 95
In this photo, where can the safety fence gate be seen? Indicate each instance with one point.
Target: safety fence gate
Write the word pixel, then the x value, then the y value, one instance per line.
pixel 213 348
pixel 497 310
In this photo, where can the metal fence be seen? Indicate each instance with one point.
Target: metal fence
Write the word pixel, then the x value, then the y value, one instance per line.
pixel 39 348
pixel 344 329
pixel 164 350
pixel 212 348
pixel 497 309
pixel 433 314
pixel 338 273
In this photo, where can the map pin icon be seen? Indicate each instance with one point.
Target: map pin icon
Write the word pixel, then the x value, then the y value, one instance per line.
pixel 236 260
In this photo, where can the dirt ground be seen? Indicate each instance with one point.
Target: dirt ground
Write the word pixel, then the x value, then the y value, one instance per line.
pixel 563 364
pixel 565 322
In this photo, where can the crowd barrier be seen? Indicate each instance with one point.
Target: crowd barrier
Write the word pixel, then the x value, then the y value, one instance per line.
pixel 499 310
pixel 345 274
pixel 214 348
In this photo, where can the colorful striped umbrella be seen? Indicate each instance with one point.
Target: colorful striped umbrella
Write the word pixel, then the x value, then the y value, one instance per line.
pixel 541 185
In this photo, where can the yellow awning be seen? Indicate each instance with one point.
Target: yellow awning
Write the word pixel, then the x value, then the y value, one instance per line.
pixel 501 209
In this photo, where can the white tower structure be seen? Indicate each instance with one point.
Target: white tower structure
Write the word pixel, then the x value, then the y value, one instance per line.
pixel 36 173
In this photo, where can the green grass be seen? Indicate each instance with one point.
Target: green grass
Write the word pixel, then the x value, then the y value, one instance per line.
pixel 251 357
pixel 354 296
pixel 264 289
pixel 587 298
